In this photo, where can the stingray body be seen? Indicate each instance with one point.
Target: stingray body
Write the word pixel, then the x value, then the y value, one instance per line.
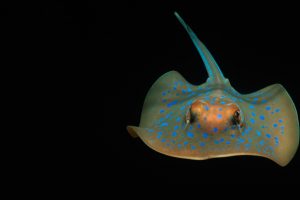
pixel 214 120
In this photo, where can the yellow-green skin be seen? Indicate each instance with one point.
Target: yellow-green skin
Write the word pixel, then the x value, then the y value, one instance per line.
pixel 269 124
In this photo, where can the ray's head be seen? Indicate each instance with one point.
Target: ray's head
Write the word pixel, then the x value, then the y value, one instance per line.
pixel 215 116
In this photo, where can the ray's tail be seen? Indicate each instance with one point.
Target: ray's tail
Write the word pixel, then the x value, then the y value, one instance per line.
pixel 212 68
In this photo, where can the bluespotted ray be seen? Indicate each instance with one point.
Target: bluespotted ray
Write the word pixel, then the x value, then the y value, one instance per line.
pixel 214 120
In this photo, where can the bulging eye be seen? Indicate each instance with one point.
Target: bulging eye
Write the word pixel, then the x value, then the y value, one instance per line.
pixel 237 118
pixel 189 117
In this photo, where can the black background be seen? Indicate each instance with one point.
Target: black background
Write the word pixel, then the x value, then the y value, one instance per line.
pixel 108 56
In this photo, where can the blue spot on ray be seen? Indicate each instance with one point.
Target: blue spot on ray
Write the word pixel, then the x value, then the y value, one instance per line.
pixel 262 117
pixel 168 115
pixel 252 120
pixel 174 134
pixel 191 94
pixel 280 120
pixel 268 107
pixel 161 119
pixel 205 135
pixel 190 134
pixel 258 133
pixel 240 140
pixel 202 144
pixel 253 114
pixel 164 124
pixel 276 140
pixel 161 111
pixel 198 125
pixel 176 127
pixel 189 102
pixel 206 107
pixel 193 147
pixel 215 129
pixel 262 142
pixel 172 103
pixel 277 110
pixel 159 134
pixel 251 106
pixel 264 101
pixel 268 135
pixel 247 146
pixel 247 130
pixel 219 116
pixel 275 125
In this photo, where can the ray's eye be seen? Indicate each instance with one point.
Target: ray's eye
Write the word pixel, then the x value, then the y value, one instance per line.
pixel 236 119
pixel 189 117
